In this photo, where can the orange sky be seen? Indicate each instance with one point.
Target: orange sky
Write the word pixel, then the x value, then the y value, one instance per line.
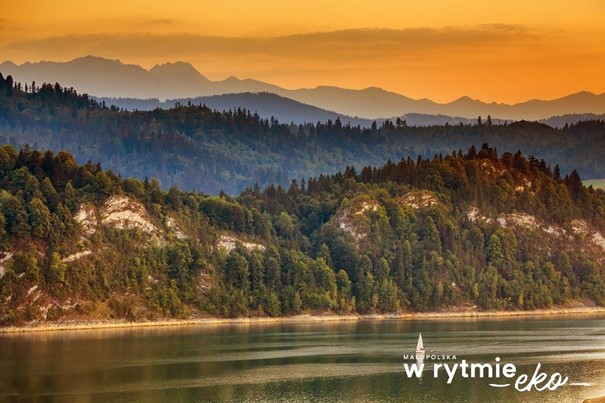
pixel 504 51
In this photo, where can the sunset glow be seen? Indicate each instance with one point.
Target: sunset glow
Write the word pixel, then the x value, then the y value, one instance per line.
pixel 505 51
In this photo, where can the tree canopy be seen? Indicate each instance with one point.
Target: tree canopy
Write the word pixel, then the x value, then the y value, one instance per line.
pixel 475 228
pixel 195 148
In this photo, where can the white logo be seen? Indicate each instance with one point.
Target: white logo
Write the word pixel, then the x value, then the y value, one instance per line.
pixel 539 380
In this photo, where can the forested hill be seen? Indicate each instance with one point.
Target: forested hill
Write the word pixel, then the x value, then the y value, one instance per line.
pixel 460 230
pixel 195 148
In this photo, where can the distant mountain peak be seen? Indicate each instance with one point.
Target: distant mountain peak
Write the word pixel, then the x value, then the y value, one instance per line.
pixel 182 70
pixel 97 58
pixel 581 95
pixel 90 59
pixel 231 79
pixel 585 93
pixel 103 77
pixel 176 66
pixel 7 64
pixel 374 88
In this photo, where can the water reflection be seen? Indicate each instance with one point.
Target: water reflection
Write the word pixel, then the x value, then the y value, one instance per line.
pixel 339 361
pixel 420 364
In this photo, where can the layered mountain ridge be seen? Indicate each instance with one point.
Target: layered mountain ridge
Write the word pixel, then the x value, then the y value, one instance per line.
pixel 179 81
pixel 194 147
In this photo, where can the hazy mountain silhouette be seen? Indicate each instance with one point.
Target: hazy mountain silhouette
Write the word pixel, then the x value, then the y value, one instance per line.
pixel 561 121
pixel 111 78
pixel 103 77
pixel 265 104
pixel 285 110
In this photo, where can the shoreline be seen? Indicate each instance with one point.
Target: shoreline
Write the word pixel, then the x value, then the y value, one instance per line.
pixel 308 318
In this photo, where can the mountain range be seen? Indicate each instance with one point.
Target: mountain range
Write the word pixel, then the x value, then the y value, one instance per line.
pixel 181 82
pixel 284 109
pixel 197 147
pixel 265 104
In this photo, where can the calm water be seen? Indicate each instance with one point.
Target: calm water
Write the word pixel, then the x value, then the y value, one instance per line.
pixel 348 362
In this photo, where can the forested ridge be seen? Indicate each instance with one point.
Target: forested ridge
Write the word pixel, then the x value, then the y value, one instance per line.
pixel 195 148
pixel 463 229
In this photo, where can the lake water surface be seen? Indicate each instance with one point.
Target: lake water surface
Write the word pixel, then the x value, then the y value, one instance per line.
pixel 358 361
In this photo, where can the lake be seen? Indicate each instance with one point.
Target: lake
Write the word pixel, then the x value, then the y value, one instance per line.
pixel 354 361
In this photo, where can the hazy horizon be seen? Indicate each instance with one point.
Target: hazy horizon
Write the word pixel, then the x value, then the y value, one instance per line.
pixel 505 52
pixel 227 76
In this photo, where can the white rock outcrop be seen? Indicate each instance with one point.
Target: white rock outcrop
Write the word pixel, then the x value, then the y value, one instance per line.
pixel 124 213
pixel 228 243
pixel 86 217
pixel 349 219
pixel 7 256
pixel 581 227
pixel 419 199
pixel 174 228
pixel 119 212
pixel 529 222
pixel 75 256
pixel 474 215
pixel 522 220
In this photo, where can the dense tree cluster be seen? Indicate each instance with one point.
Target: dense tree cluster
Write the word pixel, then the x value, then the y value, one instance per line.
pixel 195 148
pixel 356 241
